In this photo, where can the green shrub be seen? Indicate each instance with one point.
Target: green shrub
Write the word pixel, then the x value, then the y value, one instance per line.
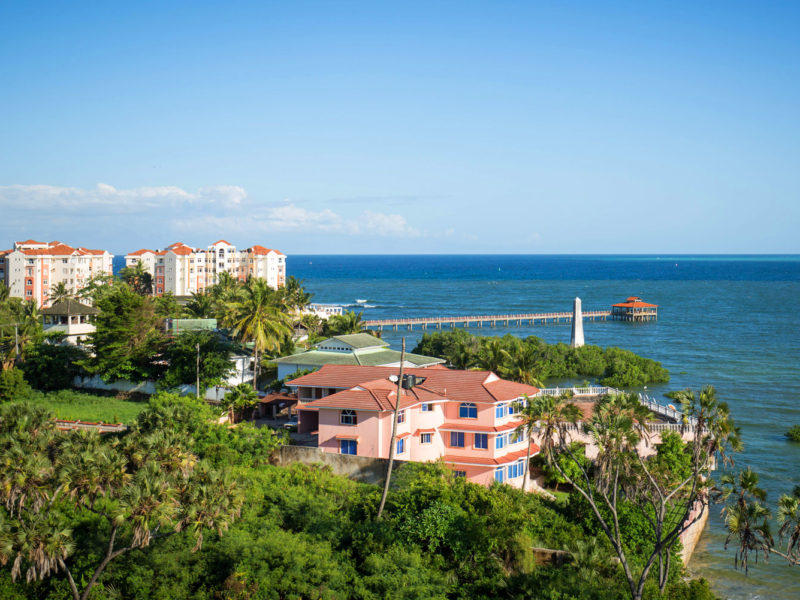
pixel 12 385
pixel 794 433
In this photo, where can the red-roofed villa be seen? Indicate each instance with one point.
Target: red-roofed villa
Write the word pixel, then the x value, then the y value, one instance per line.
pixel 467 418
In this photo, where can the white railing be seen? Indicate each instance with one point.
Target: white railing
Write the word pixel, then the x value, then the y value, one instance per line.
pixel 651 427
pixel 668 412
pixel 578 391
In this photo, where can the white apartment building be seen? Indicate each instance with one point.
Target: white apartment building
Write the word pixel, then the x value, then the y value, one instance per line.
pixel 31 269
pixel 181 270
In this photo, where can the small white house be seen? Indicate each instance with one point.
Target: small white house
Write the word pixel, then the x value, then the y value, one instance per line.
pixel 70 317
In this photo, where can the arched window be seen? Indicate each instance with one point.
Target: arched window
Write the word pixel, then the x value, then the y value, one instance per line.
pixel 467 410
pixel 348 417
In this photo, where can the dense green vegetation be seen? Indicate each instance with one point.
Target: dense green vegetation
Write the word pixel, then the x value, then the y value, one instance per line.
pixel 305 533
pixel 533 361
pixel 794 433
pixel 130 342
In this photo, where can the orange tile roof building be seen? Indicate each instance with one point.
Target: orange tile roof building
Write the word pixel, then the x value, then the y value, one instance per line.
pixel 31 269
pixel 634 309
pixel 181 270
pixel 469 419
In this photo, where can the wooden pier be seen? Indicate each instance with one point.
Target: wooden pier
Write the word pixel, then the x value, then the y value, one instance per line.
pixel 485 320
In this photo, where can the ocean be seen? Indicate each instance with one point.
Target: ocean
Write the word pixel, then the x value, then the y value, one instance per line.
pixel 728 321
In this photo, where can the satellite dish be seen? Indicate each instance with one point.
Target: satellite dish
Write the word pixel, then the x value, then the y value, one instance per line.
pixel 393 378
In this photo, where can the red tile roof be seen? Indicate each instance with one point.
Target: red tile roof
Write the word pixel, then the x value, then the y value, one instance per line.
pixel 371 385
pixel 181 250
pixel 278 398
pixel 635 302
pixel 59 250
pixel 480 460
pixel 221 242
pixel 140 252
pixel 33 242
pixel 480 428
pixel 89 251
pixel 260 250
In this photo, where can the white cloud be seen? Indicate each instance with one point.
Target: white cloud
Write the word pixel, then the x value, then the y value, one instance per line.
pixel 215 210
pixel 105 199
pixel 292 218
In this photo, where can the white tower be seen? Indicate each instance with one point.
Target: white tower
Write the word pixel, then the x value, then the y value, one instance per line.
pixel 576 339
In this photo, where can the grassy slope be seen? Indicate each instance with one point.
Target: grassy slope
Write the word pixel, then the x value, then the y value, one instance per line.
pixel 68 404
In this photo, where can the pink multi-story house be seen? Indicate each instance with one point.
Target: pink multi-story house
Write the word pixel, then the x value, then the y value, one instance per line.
pixel 469 419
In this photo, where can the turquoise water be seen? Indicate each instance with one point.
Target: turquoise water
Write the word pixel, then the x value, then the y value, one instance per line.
pixel 729 321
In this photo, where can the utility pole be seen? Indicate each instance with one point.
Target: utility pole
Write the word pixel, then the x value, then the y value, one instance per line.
pixel 394 431
pixel 16 338
pixel 197 388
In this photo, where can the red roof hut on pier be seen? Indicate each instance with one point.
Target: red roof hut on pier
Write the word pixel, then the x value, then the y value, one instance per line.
pixel 634 309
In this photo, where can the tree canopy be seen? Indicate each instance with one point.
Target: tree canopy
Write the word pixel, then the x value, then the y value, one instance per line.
pixel 533 361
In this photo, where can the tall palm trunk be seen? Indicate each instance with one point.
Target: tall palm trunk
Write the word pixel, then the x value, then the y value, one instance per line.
pixel 527 462
pixel 394 431
pixel 255 367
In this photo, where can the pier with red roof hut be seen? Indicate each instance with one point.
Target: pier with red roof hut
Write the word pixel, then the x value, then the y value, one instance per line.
pixel 634 309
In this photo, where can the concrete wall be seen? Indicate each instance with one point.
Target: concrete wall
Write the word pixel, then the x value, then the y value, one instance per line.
pixel 361 468
pixel 144 387
pixel 691 536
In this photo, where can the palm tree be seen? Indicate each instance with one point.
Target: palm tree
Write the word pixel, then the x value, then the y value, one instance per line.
pixel 4 292
pixel 256 319
pixel 523 363
pixel 464 354
pixel 746 518
pixel 60 292
pixel 749 525
pixel 555 415
pixel 344 324
pixel 617 426
pixel 139 278
pixel 238 400
pixel 493 356
pixel 293 295
pixel 28 325
pixel 526 428
pixel 789 518
pixel 201 306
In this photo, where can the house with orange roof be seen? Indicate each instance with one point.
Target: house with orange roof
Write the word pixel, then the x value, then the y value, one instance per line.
pixel 181 270
pixel 31 268
pixel 468 419
pixel 634 309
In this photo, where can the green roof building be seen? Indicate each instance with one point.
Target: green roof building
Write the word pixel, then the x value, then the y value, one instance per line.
pixel 356 349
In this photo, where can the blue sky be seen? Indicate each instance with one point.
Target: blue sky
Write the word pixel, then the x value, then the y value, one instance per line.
pixel 408 127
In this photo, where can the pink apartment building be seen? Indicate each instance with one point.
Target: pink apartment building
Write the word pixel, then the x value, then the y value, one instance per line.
pixel 31 269
pixel 181 270
pixel 466 418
